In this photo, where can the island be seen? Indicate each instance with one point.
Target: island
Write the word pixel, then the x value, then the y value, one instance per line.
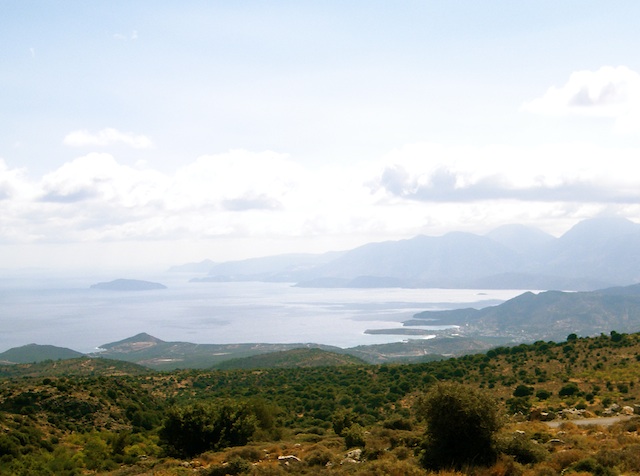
pixel 128 285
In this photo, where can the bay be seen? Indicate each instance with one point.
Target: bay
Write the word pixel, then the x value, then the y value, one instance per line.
pixel 67 313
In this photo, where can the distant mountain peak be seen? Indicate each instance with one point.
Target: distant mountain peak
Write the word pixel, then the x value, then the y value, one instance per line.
pixel 521 238
pixel 600 228
pixel 131 344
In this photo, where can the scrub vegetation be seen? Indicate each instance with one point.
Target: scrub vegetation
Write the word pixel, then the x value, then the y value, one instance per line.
pixel 481 414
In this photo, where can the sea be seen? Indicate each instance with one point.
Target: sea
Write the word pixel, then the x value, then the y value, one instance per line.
pixel 66 312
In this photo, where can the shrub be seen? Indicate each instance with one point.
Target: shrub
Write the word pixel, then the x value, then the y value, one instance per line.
pixel 233 467
pixel 568 390
pixel 393 468
pixel 319 457
pixel 523 391
pixel 591 466
pixel 342 420
pixel 543 394
pixel 519 405
pixel 563 459
pixel 523 449
pixel 249 453
pixel 354 436
pixel 398 423
pixel 461 426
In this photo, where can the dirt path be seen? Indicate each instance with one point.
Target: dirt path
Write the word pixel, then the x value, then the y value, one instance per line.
pixel 604 421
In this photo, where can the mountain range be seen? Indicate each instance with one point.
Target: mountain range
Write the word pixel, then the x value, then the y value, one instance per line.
pixel 594 254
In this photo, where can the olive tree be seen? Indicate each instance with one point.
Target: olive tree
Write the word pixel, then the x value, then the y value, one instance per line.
pixel 461 426
pixel 193 429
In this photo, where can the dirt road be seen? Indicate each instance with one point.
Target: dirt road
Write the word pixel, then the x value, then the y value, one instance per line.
pixel 604 421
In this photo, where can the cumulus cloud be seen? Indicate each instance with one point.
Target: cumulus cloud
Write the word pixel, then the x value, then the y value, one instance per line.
pixel 611 92
pixel 251 202
pixel 418 188
pixel 105 138
pixel 445 185
pixel 571 173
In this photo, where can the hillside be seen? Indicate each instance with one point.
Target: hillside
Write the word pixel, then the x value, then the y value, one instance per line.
pixel 105 422
pixel 80 366
pixel 547 315
pixel 294 358
pixel 36 353
pixel 151 352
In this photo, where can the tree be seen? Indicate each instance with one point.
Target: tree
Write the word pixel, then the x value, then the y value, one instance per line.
pixel 523 391
pixel 461 427
pixel 194 429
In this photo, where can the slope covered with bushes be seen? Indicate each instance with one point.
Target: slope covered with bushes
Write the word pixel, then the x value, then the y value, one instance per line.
pixel 79 416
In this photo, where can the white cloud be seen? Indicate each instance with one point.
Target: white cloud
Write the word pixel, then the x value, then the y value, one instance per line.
pixel 100 176
pixel 610 92
pixel 576 173
pixel 122 37
pixel 105 138
pixel 266 196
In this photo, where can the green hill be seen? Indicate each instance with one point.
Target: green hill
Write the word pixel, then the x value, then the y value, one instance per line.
pixel 291 359
pixel 549 315
pixel 154 353
pixel 80 366
pixel 37 353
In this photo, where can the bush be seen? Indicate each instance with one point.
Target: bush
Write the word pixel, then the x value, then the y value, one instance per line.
pixel 523 391
pixel 563 459
pixel 461 426
pixel 398 423
pixel 568 390
pixel 523 449
pixel 590 465
pixel 233 467
pixel 354 436
pixel 319 457
pixel 543 394
pixel 519 405
pixel 246 452
pixel 342 420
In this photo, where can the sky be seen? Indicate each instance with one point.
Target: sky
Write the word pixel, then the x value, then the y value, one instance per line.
pixel 148 134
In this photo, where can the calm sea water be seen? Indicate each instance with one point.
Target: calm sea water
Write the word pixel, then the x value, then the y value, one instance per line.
pixel 65 312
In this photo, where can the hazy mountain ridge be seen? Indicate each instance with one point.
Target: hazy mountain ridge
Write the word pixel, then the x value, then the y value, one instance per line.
pixel 594 254
pixel 200 267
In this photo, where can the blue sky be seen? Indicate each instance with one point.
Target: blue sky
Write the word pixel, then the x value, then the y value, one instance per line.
pixel 159 132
